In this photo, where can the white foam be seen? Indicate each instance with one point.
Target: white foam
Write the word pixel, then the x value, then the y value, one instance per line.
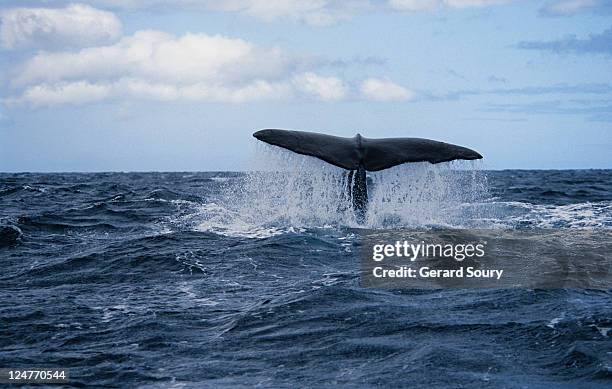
pixel 552 324
pixel 286 192
pixel 286 189
pixel 422 194
pixel 224 221
pixel 603 331
pixel 580 215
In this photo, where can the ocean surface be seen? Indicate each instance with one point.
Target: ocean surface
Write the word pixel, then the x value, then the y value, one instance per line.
pixel 252 280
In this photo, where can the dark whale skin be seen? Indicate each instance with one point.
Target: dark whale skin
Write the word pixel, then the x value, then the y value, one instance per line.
pixel 372 154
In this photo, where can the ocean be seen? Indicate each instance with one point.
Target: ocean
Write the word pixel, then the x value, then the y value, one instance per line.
pixel 231 280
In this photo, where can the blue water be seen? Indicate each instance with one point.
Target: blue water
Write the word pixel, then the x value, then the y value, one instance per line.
pixel 219 280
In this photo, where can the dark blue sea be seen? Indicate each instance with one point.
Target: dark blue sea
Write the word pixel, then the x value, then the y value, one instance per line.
pixel 232 280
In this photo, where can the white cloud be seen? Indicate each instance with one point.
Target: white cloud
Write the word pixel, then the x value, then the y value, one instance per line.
pixel 80 92
pixel 155 65
pixel 74 26
pixel 383 90
pixel 324 88
pixel 569 7
pixel 314 12
pixel 84 92
pixel 428 5
pixel 304 10
pixel 159 56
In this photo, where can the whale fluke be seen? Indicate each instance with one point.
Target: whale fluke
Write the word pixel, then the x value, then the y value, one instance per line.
pixel 359 154
pixel 372 154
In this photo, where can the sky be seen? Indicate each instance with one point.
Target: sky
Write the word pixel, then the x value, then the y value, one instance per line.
pixel 152 85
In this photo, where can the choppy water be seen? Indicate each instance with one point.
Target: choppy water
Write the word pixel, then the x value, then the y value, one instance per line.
pixel 234 280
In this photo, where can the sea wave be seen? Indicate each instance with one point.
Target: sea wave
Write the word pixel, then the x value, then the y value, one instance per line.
pixel 199 279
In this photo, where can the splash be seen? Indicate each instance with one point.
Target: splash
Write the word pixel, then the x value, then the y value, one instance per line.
pixel 423 194
pixel 289 193
pixel 287 189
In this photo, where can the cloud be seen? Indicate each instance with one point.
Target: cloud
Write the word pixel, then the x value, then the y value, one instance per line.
pixel 555 89
pixel 313 12
pixel 155 65
pixel 571 7
pixel 494 78
pixel 73 26
pixel 430 5
pixel 324 88
pixel 85 92
pixel 593 44
pixel 589 99
pixel 356 60
pixel 595 110
pixel 160 56
pixel 80 91
pixel 383 90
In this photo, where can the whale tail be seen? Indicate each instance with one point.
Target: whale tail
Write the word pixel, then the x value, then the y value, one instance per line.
pixel 359 154
pixel 372 154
